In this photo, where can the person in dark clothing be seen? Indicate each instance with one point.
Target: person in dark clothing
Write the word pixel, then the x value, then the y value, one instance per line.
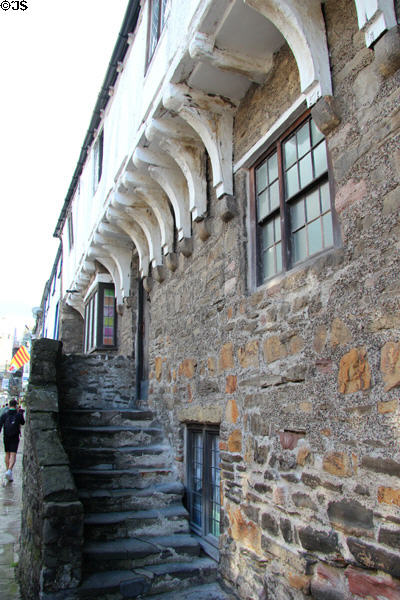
pixel 11 420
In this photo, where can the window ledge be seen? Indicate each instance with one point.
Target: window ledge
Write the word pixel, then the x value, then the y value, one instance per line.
pixel 208 548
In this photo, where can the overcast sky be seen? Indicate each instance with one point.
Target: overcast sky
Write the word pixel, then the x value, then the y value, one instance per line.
pixel 53 59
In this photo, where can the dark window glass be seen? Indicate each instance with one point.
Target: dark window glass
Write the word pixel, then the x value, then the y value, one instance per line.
pixel 156 25
pixel 98 160
pixel 203 475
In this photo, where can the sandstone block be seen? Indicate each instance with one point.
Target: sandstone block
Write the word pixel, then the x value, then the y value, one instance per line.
pixel 211 365
pixel 374 557
pixel 248 356
pixel 376 587
pixel 231 411
pixel 381 465
pixel 302 455
pixel 340 334
pixel 353 191
pixel 325 114
pixel 235 441
pixel 390 364
pixel 226 357
pixel 243 531
pixel 388 407
pixel 337 463
pixel 299 582
pixel 187 368
pixel 231 384
pixel 354 372
pixel 387 52
pixel 273 349
pixel 158 367
pixel 295 345
pixel 389 495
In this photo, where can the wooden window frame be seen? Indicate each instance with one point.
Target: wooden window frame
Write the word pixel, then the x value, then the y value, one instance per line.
pixel 207 432
pixel 284 208
pixel 162 9
pixel 94 319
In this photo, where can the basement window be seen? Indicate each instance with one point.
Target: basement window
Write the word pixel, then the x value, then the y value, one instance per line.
pixel 203 482
pixel 100 319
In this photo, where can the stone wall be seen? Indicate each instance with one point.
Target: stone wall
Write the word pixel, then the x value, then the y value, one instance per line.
pixel 103 380
pixel 52 515
pixel 71 329
pixel 303 375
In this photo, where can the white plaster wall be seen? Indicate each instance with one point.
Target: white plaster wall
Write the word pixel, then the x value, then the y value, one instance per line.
pixel 133 97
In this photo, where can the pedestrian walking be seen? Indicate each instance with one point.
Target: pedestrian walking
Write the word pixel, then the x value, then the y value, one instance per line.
pixel 11 421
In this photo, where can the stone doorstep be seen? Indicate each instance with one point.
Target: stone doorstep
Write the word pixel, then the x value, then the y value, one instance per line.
pixel 211 591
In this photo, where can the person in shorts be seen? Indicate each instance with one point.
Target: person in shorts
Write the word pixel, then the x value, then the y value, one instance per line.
pixel 11 421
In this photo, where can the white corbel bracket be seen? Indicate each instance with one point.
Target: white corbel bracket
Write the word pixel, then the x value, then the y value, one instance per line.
pixel 202 48
pixel 212 118
pixel 374 18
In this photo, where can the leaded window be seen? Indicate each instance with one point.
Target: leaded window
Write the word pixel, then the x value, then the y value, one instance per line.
pixel 100 319
pixel 203 479
pixel 156 24
pixel 294 217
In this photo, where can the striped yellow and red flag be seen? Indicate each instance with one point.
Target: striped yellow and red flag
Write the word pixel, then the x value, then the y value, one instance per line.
pixel 19 359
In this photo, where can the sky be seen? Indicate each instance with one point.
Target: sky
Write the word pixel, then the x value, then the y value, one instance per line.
pixel 53 58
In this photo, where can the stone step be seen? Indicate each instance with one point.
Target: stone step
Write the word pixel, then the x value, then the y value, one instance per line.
pixel 210 591
pixel 107 479
pixel 94 417
pixel 156 456
pixel 151 580
pixel 166 520
pixel 132 553
pixel 156 496
pixel 111 436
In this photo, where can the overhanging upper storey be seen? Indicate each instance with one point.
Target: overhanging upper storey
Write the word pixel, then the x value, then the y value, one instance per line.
pixel 169 111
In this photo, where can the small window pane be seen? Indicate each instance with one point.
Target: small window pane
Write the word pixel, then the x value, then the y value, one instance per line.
pixel 274 195
pixel 325 197
pixel 292 181
pixel 320 160
pixel 289 151
pixel 269 263
pixel 299 245
pixel 277 227
pixel 263 205
pixel 273 167
pixel 261 178
pixel 278 249
pixel 314 236
pixel 312 206
pixel 316 135
pixel 328 231
pixel 306 175
pixel 297 214
pixel 303 140
pixel 268 235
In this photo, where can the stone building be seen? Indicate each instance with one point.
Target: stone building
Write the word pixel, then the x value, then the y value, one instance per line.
pixel 232 230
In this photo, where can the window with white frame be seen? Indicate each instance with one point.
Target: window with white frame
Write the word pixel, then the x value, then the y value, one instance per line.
pixel 203 481
pixel 97 160
pixel 157 14
pixel 100 319
pixel 291 201
pixel 70 225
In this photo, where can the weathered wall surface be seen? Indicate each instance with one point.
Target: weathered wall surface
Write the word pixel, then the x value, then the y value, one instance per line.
pixel 71 329
pixel 105 380
pixel 52 515
pixel 303 376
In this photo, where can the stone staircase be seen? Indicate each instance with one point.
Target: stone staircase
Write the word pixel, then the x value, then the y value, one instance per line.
pixel 137 538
